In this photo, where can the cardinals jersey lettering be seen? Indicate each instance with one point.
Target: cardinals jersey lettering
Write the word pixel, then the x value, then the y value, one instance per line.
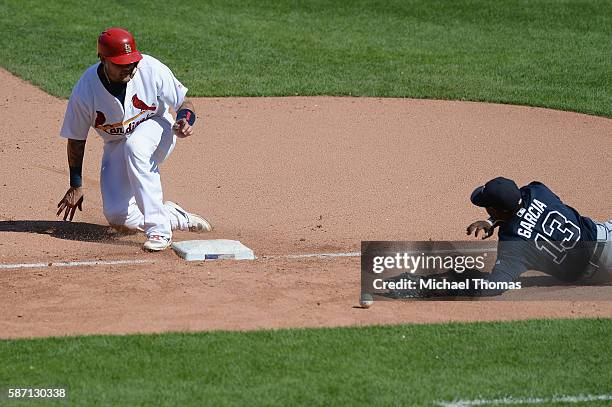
pixel 152 91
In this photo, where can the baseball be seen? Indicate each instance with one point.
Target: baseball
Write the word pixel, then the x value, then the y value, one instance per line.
pixel 366 300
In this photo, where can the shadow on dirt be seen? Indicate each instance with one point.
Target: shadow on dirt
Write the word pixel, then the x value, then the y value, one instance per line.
pixel 80 231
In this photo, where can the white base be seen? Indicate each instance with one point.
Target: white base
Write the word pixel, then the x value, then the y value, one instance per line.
pixel 217 249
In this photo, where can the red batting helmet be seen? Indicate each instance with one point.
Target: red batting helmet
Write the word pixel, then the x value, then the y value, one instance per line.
pixel 118 46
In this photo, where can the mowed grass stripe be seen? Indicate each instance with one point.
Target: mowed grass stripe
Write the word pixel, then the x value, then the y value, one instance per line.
pixel 391 365
pixel 554 53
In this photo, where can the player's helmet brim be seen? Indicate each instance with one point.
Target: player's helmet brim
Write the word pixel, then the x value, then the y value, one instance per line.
pixel 126 59
pixel 477 197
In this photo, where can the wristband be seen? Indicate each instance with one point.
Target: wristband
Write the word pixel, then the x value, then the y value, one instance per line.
pixel 187 115
pixel 492 221
pixel 76 180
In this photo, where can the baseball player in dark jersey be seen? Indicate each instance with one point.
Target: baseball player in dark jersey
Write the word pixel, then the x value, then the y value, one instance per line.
pixel 537 231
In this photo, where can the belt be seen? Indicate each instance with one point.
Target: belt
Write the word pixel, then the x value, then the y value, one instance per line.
pixel 602 238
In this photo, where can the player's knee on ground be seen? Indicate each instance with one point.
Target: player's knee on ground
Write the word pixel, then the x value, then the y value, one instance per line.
pixel 120 220
pixel 115 218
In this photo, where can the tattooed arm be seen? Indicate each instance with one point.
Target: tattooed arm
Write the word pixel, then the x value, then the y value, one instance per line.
pixel 73 198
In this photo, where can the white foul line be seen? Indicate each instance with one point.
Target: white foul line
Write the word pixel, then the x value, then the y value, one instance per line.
pixel 357 254
pixel 535 400
pixel 317 255
pixel 128 262
pixel 72 264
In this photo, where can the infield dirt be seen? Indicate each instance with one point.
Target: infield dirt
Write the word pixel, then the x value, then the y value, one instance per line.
pixel 287 175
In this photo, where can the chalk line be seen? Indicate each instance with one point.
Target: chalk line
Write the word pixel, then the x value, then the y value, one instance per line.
pixel 264 257
pixel 316 255
pixel 530 400
pixel 357 254
pixel 73 264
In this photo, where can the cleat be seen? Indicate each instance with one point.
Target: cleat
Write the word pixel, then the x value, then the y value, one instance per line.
pixel 196 223
pixel 157 243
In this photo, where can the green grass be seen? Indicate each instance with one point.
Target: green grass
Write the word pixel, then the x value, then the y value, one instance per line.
pixel 554 53
pixel 394 365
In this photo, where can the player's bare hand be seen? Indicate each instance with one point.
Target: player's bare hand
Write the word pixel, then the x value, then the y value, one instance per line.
pixel 481 225
pixel 70 202
pixel 182 128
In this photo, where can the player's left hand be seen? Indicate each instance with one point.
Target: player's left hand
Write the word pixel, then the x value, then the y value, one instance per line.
pixel 182 129
pixel 479 225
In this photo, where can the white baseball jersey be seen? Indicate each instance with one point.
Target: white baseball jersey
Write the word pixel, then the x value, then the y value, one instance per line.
pixel 151 92
pixel 138 138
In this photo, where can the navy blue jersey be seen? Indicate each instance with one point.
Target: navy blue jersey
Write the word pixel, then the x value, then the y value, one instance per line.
pixel 544 235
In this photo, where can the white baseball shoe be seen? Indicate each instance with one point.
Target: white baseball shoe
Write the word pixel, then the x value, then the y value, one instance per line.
pixel 196 223
pixel 157 243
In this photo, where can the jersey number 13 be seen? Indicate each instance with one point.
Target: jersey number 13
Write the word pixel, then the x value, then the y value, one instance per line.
pixel 561 236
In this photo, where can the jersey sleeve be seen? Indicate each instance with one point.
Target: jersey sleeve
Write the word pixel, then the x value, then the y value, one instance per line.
pixel 171 91
pixel 508 268
pixel 77 118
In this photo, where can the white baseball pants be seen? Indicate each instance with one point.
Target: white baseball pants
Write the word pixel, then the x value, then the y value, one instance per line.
pixel 604 233
pixel 130 182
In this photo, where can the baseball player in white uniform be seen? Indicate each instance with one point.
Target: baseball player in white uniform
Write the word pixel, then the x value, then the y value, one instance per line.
pixel 126 98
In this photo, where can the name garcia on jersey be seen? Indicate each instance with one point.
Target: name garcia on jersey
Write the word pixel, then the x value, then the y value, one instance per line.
pixel 530 217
